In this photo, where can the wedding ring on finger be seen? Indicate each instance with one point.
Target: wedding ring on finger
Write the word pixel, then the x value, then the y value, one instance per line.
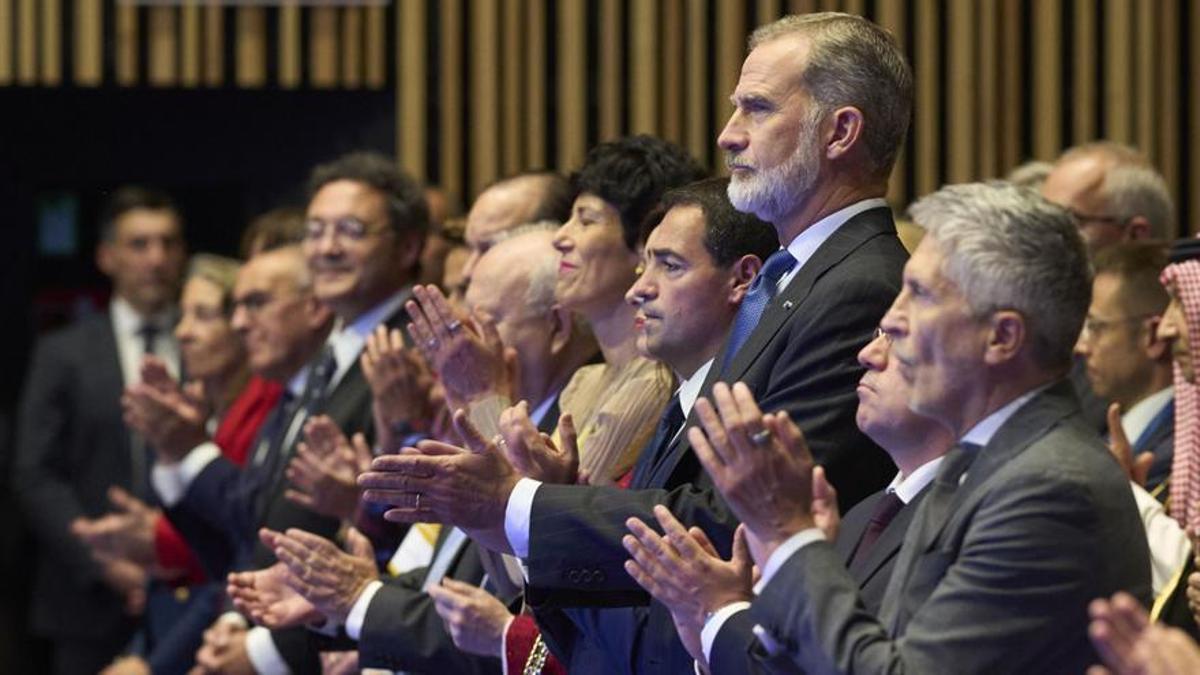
pixel 454 326
pixel 432 343
pixel 417 503
pixel 761 437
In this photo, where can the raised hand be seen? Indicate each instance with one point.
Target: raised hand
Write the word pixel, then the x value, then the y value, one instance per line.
pixel 324 471
pixel 824 505
pixel 1137 468
pixel 223 650
pixel 465 352
pixel 265 596
pixel 533 453
pixel 441 483
pixel 127 532
pixel 475 619
pixel 1129 644
pixel 320 572
pixel 400 385
pixel 169 418
pixel 760 463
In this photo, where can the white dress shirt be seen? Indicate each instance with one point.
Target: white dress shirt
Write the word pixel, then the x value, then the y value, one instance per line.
pixel 126 326
pixel 1137 418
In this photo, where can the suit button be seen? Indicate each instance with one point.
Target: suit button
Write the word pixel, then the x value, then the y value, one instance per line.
pixel 600 576
pixel 573 576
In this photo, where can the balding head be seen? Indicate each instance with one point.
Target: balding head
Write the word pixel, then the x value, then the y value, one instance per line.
pixel 1113 192
pixel 512 202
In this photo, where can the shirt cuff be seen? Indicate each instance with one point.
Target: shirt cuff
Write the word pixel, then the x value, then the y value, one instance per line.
pixel 358 613
pixel 708 634
pixel 263 653
pixel 171 481
pixel 786 549
pixel 517 514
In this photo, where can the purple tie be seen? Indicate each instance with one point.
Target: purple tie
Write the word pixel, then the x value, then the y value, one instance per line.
pixel 885 510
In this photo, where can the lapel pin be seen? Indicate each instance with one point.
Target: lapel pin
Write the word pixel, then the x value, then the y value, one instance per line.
pixel 787 304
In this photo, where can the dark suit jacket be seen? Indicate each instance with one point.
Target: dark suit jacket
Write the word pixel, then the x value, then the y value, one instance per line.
pixel 71 446
pixel 993 578
pixel 737 650
pixel 802 357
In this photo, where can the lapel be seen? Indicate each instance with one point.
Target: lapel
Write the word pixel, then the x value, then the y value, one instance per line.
pixel 1159 428
pixel 100 344
pixel 1027 425
pixel 889 542
pixel 851 235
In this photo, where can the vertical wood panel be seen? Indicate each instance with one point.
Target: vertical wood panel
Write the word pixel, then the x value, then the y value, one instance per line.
pixel 1118 63
pixel 731 51
pixel 412 71
pixel 161 31
pixel 890 15
pixel 1012 85
pixel 251 41
pixel 88 45
pixel 1149 58
pixel 802 6
pixel 643 28
pixel 323 47
pixel 986 19
pixel 1047 80
pixel 1083 85
pixel 854 7
pixel 511 156
pixel 6 29
pixel 27 43
pixel 535 82
pixel 612 90
pixel 451 144
pixel 376 46
pixel 699 135
pixel 963 77
pixel 1169 141
pixel 767 11
pixel 289 46
pixel 127 45
pixel 214 44
pixel 189 39
pixel 672 71
pixel 352 47
pixel 572 79
pixel 484 113
pixel 51 43
pixel 926 127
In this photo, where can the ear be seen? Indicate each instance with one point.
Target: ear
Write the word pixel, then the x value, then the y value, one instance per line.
pixel 1154 348
pixel 1007 337
pixel 743 273
pixel 846 132
pixel 319 314
pixel 1138 228
pixel 410 249
pixel 562 325
pixel 105 258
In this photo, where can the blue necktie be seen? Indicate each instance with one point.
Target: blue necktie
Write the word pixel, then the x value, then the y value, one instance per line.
pixel 761 292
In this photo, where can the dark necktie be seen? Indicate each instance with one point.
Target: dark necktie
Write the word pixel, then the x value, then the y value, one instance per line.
pixel 317 387
pixel 762 291
pixel 656 450
pixel 148 332
pixel 885 510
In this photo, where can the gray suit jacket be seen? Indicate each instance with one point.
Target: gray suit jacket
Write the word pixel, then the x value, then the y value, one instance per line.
pixel 996 580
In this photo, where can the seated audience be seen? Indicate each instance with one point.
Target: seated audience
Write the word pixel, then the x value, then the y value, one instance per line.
pixel 1028 518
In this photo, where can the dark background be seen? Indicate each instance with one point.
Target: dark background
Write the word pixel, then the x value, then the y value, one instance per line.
pixel 225 155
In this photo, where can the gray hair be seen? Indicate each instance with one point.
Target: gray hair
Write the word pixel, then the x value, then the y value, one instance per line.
pixel 539 294
pixel 854 62
pixel 1131 190
pixel 1006 247
pixel 1031 174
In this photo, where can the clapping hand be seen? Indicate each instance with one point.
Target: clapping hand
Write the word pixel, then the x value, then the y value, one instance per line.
pixel 475 619
pixel 323 574
pixel 533 453
pixel 1129 644
pixel 1137 468
pixel 169 417
pixel 127 533
pixel 265 596
pixel 400 385
pixel 325 470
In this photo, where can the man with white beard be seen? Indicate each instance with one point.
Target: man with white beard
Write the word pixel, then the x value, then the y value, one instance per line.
pixel 821 109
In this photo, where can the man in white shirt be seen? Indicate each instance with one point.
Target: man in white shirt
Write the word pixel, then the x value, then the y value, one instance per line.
pixel 72 444
pixel 1127 363
pixel 1028 519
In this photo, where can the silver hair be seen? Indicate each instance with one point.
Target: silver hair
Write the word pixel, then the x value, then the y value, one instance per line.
pixel 1031 174
pixel 539 294
pixel 854 62
pixel 1006 247
pixel 1130 190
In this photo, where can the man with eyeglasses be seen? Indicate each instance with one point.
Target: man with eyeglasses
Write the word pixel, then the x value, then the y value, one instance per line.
pixel 1128 365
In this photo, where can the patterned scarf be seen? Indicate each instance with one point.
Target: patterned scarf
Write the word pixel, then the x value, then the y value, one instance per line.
pixel 1185 470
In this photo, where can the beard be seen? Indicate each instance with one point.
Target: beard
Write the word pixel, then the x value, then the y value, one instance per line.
pixel 773 193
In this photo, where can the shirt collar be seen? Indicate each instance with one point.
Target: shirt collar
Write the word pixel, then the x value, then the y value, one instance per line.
pixel 908 487
pixel 1137 418
pixel 984 429
pixel 348 341
pixel 689 389
pixel 127 321
pixel 295 386
pixel 810 239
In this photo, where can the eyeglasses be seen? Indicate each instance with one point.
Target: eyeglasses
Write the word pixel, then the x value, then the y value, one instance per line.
pixel 1094 327
pixel 345 229
pixel 881 333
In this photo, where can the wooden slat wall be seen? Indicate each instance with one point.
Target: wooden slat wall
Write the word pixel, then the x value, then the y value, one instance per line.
pixel 501 86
